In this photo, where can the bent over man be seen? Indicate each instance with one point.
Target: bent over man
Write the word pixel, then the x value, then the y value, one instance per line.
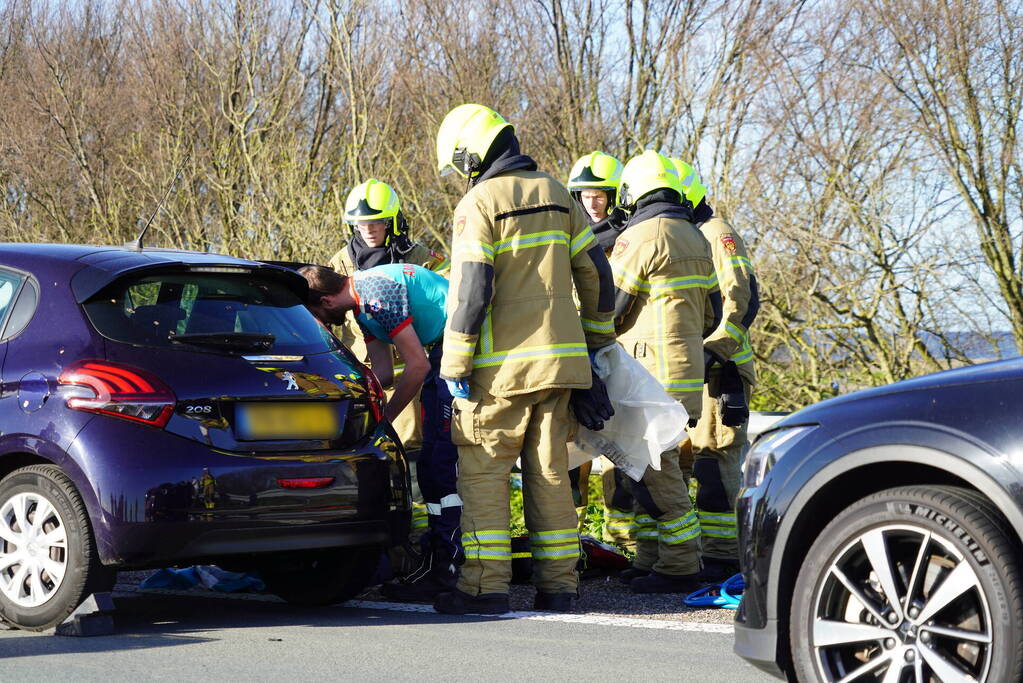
pixel 404 305
pixel 379 234
pixel 515 347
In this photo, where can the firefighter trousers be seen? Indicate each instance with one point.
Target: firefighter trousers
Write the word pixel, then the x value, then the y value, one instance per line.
pixel 667 529
pixel 491 432
pixel 437 467
pixel 619 517
pixel 718 451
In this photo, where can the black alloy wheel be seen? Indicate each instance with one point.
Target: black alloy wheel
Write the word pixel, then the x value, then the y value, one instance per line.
pixel 911 585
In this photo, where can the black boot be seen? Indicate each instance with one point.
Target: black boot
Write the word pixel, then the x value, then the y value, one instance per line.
pixel 437 574
pixel 554 602
pixel 457 602
pixel 655 582
pixel 716 570
pixel 424 589
pixel 627 575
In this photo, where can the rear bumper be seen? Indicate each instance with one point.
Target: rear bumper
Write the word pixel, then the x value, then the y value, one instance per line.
pixel 157 499
pixel 208 543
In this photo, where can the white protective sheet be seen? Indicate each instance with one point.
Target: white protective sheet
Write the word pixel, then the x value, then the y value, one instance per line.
pixel 646 423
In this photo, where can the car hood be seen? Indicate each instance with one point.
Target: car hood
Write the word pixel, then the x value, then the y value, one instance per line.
pixel 996 371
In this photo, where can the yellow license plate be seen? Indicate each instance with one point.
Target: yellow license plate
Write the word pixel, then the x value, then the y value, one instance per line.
pixel 271 421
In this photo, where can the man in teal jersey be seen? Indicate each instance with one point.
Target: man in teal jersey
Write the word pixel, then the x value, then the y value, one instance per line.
pixel 405 305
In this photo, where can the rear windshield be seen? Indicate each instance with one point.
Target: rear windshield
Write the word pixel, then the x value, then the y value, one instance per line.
pixel 151 310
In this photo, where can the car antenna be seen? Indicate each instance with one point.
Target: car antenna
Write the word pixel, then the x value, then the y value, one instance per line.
pixel 136 244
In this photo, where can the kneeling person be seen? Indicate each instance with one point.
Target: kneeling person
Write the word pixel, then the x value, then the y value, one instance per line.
pixel 404 305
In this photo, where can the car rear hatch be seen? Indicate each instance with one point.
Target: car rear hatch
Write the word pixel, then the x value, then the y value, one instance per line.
pixel 249 368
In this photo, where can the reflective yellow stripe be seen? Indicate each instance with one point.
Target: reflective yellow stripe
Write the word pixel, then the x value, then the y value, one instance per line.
pixel 581 241
pixel 634 281
pixel 687 282
pixel 488 332
pixel 486 360
pixel 475 248
pixel 482 535
pixel 680 537
pixel 683 521
pixel 482 553
pixel 536 239
pixel 666 284
pixel 679 530
pixel 718 524
pixel 487 544
pixel 745 352
pixel 741 357
pixel 420 518
pixel 458 347
pixel 676 386
pixel 598 325
pixel 740 261
pixel 555 552
pixel 662 361
pixel 442 266
pixel 734 332
pixel 717 517
pixel 521 556
pixel 541 537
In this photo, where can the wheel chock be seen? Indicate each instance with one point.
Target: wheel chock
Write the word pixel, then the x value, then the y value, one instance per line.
pixel 92 618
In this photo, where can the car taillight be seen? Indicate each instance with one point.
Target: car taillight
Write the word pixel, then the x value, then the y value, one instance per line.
pixel 305 482
pixel 119 390
pixel 376 395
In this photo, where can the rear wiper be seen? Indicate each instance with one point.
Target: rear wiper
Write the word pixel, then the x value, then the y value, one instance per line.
pixel 228 341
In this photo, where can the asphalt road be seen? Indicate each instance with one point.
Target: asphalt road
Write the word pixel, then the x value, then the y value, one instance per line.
pixel 165 637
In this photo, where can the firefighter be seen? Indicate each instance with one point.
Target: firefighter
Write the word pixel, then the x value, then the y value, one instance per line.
pixel 379 235
pixel 515 356
pixel 593 182
pixel 666 300
pixel 404 306
pixel 719 438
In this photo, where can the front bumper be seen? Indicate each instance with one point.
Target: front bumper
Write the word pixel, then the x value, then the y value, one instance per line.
pixel 158 499
pixel 758 646
pixel 756 634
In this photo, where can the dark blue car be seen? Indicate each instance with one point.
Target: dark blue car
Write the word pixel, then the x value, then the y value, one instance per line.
pixel 880 534
pixel 169 407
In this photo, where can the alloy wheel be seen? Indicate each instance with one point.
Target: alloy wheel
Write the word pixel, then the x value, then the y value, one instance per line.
pixel 901 604
pixel 33 549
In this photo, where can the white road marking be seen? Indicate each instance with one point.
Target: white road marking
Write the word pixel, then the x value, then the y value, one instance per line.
pixel 594 619
pixel 597 619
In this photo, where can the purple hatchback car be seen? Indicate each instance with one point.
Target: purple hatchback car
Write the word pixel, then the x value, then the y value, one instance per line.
pixel 169 407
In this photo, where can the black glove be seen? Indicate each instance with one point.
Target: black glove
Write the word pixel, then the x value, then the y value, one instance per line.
pixel 732 401
pixel 592 406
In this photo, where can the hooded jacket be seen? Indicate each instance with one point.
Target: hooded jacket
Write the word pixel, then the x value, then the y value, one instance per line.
pixel 666 295
pixel 519 244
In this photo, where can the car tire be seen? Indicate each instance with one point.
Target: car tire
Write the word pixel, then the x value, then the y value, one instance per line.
pixel 948 602
pixel 322 578
pixel 32 595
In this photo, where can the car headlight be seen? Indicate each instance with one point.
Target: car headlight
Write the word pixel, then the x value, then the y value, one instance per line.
pixel 768 450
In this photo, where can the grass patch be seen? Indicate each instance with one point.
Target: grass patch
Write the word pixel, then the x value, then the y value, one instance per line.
pixel 594 510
